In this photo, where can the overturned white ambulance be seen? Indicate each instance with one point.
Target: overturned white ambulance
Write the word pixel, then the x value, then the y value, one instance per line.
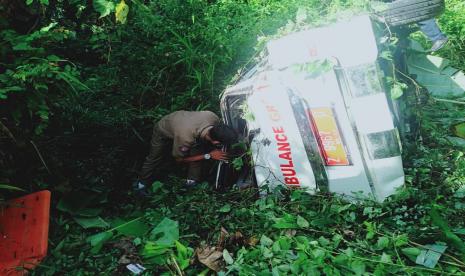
pixel 315 115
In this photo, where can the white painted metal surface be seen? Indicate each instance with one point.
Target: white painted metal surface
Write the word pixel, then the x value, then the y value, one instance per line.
pixel 352 42
pixel 282 96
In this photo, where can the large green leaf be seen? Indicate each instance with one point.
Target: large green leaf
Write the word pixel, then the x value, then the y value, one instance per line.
pixel 449 236
pixel 93 222
pixel 411 252
pixel 103 7
pixel 459 130
pixel 152 249
pixel 97 240
pixel 136 228
pixel 80 203
pixel 154 253
pixel 183 255
pixel 166 232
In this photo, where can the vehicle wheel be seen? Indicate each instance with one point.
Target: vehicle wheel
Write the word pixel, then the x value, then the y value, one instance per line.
pixel 402 12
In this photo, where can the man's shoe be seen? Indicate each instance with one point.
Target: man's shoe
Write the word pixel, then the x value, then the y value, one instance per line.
pixel 190 183
pixel 438 44
pixel 140 189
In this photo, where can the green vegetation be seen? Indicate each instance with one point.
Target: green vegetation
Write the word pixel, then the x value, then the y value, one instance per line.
pixel 80 85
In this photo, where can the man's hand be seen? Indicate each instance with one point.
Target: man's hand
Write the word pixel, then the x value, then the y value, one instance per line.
pixel 219 155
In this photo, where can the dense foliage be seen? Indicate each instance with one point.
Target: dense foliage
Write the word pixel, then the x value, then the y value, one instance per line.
pixel 81 82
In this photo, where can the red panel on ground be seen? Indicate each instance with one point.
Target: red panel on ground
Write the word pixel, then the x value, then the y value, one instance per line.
pixel 24 233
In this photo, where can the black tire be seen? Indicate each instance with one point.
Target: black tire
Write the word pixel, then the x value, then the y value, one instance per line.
pixel 403 12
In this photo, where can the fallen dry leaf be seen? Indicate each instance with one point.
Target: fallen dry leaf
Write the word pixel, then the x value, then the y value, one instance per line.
pixel 291 233
pixel 129 255
pixel 222 239
pixel 252 241
pixel 210 257
pixel 349 234
pixel 237 238
pixel 126 245
pixel 124 260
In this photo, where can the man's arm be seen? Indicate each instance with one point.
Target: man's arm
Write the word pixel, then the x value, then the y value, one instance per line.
pixel 214 154
pixel 192 158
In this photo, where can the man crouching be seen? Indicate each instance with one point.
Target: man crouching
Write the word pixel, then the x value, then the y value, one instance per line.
pixel 193 137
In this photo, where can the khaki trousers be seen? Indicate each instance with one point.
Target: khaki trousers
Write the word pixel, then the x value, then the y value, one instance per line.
pixel 160 147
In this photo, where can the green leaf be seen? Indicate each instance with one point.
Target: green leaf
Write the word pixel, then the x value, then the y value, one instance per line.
pixel 265 241
pixel 181 249
pixel 459 130
pixel 341 259
pixel 156 186
pixel 167 232
pixel 371 229
pixel 137 241
pixel 47 28
pixel 460 192
pixel 387 55
pixel 385 258
pixel 28 2
pixel 456 141
pixel 9 187
pixel 103 7
pixel 411 253
pixel 301 222
pixel 227 257
pixel 154 253
pixel 286 222
pixel 460 231
pixel 284 243
pixel 321 222
pixel 358 267
pixel 183 255
pixel 97 240
pixel 95 222
pixel 396 91
pixel 121 12
pixel 324 241
pixel 6 90
pixel 135 227
pixel 401 240
pixel 382 243
pixel 447 232
pixel 226 208
pixel 23 46
pixel 152 249
pixel 349 252
pixel 79 202
pixel 89 212
pixel 238 163
pixel 266 252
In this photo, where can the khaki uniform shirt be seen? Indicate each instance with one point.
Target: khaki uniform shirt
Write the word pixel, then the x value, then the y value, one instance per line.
pixel 185 128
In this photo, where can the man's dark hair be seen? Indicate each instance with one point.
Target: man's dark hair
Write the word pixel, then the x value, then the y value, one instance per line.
pixel 224 134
